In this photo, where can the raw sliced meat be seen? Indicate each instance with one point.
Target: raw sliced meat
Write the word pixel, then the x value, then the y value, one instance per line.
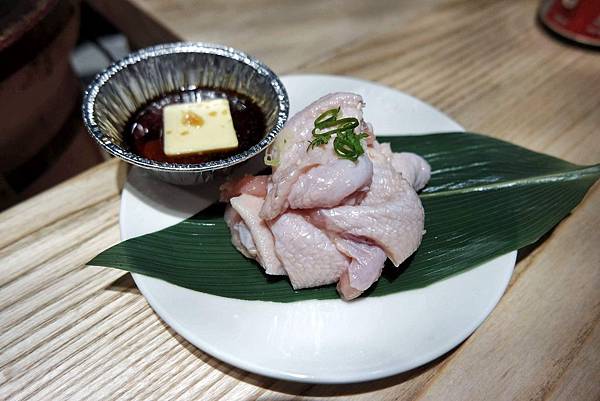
pixel 329 184
pixel 321 219
pixel 365 267
pixel 248 184
pixel 289 151
pixel 248 207
pixel 239 231
pixel 391 215
pixel 309 257
pixel 413 168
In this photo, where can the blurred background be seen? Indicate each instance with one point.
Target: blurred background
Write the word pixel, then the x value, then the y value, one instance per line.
pixel 51 49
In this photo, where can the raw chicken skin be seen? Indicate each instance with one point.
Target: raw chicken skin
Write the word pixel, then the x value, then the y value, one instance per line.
pixel 321 219
pixel 329 184
pixel 247 208
pixel 290 151
pixel 238 231
pixel 413 167
pixel 391 215
pixel 309 257
pixel 248 184
pixel 365 267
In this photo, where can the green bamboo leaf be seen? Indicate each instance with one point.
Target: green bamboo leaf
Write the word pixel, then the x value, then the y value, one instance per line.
pixel 486 197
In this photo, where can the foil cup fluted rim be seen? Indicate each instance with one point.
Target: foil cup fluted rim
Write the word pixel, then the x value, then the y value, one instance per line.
pixel 91 92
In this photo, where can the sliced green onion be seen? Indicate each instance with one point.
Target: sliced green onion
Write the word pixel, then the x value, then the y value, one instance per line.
pixel 346 144
pixel 329 115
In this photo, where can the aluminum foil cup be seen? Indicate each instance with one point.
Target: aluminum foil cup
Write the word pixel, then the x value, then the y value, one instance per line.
pixel 125 86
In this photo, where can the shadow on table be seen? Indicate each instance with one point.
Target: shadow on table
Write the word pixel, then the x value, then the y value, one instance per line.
pixel 524 252
pixel 124 283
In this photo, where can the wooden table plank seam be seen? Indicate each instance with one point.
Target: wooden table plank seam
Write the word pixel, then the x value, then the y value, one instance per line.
pixel 26 274
pixel 66 198
pixel 461 58
pixel 427 39
pixel 37 384
pixel 49 319
pixel 582 339
pixel 29 312
pixel 49 371
pixel 74 213
pixel 117 376
pixel 176 351
pixel 119 340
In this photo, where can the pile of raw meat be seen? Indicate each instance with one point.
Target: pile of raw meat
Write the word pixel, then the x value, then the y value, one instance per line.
pixel 320 219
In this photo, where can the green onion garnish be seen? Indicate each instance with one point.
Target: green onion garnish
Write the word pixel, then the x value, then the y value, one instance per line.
pixel 329 115
pixel 346 143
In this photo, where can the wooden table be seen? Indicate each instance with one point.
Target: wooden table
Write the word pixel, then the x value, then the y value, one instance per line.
pixel 71 332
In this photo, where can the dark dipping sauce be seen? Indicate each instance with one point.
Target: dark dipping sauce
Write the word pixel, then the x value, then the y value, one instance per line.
pixel 144 131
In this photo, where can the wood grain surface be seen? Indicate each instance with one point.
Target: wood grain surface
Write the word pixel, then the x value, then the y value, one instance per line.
pixel 77 333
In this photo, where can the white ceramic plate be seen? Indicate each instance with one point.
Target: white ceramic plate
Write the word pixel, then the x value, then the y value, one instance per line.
pixel 319 341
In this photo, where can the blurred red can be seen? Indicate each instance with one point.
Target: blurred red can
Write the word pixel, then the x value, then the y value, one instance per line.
pixel 578 20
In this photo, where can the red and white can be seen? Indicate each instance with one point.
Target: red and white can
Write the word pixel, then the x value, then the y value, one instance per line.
pixel 578 20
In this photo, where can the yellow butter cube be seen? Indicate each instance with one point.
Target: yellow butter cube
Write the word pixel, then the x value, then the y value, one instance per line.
pixel 193 128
